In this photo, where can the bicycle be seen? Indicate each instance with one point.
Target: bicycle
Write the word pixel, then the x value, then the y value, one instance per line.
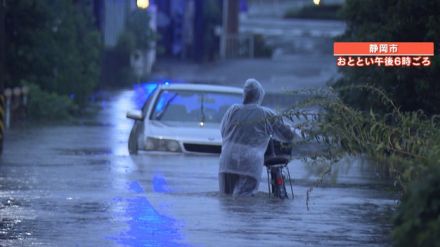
pixel 276 159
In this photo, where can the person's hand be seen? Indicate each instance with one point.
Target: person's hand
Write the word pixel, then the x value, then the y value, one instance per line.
pixel 296 133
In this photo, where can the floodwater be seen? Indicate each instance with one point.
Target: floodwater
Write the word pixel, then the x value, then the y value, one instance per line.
pixel 76 185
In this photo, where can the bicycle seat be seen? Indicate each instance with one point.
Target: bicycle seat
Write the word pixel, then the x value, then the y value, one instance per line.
pixel 276 160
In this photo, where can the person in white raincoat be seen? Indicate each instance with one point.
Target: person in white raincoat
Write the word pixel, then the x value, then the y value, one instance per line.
pixel 246 130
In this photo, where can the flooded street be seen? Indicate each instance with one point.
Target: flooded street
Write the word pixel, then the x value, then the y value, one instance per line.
pixel 76 185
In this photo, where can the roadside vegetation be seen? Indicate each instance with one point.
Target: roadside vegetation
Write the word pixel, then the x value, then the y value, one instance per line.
pixel 49 106
pixel 54 47
pixel 404 135
pixel 404 147
pixel 390 115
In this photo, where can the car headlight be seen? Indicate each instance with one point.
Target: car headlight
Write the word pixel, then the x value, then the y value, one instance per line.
pixel 157 144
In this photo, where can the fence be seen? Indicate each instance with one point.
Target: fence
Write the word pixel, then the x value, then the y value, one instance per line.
pixel 240 45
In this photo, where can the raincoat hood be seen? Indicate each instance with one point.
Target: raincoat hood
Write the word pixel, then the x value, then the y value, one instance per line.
pixel 253 92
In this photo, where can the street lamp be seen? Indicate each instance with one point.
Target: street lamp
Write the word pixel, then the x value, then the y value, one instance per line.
pixel 143 4
pixel 316 2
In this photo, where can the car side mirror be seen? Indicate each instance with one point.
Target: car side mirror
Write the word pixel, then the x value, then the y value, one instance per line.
pixel 135 115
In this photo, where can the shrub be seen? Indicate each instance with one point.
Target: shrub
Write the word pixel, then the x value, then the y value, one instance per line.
pixel 47 106
pixel 418 218
pixel 404 145
pixel 53 44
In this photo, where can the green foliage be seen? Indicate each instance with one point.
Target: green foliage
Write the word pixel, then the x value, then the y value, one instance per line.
pixel 401 21
pixel 49 106
pixel 324 12
pixel 52 44
pixel 404 145
pixel 418 218
pixel 389 113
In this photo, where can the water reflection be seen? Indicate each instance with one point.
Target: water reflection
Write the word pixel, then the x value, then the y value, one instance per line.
pixel 146 226
pixel 117 112
pixel 160 184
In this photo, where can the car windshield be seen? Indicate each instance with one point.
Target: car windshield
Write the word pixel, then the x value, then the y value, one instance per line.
pixel 193 106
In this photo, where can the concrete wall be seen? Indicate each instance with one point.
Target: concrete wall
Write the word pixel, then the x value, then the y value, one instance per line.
pixel 115 14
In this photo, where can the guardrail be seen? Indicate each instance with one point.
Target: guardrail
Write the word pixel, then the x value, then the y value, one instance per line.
pixel 2 118
pixel 13 106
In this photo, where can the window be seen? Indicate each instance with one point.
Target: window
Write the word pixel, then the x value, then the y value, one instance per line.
pixel 193 106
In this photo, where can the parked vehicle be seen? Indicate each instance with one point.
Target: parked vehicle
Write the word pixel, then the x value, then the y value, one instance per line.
pixel 182 118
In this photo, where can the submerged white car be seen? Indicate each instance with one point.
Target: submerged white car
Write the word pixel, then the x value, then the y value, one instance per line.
pixel 182 118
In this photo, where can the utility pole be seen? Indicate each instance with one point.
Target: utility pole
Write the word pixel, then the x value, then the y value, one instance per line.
pixel 2 69
pixel 223 39
pixel 230 23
